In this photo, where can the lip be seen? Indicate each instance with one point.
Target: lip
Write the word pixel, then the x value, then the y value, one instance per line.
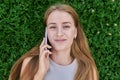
pixel 60 40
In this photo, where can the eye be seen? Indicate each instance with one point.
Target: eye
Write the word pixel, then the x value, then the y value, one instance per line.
pixel 52 27
pixel 66 26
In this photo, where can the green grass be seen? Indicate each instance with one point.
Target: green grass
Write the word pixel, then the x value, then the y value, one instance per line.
pixel 21 28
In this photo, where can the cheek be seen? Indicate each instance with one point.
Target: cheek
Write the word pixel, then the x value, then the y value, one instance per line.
pixel 71 34
pixel 50 36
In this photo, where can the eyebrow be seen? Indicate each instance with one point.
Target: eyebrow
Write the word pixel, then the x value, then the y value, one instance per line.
pixel 66 22
pixel 62 23
pixel 51 23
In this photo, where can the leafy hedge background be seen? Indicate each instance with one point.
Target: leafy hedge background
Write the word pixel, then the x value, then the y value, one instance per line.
pixel 21 28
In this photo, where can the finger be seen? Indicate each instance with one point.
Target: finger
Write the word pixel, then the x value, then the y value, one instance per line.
pixel 45 47
pixel 48 56
pixel 43 42
pixel 45 53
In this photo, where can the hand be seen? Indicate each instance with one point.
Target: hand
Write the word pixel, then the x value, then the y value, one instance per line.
pixel 43 60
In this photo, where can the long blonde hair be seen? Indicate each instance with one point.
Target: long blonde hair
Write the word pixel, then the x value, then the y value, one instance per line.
pixel 80 51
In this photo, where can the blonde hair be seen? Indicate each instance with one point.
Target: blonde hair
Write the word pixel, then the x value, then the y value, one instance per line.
pixel 86 66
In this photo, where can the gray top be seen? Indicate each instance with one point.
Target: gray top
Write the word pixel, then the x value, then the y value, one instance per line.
pixel 59 72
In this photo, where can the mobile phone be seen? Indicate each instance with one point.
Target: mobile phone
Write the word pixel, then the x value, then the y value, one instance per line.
pixel 46 37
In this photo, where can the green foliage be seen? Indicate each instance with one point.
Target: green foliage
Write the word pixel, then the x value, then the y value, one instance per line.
pixel 21 28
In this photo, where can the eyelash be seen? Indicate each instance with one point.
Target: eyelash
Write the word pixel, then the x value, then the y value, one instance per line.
pixel 66 26
pixel 53 27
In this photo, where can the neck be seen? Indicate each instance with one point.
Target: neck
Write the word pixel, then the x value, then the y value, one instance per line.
pixel 61 57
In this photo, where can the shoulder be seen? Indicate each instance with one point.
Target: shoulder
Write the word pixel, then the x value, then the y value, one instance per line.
pixel 24 64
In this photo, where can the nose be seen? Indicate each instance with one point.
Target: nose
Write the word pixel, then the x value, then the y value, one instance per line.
pixel 59 32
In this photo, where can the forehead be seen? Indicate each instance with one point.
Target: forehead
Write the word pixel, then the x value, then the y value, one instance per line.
pixel 59 17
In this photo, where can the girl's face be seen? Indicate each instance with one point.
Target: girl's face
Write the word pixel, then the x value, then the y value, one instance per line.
pixel 61 30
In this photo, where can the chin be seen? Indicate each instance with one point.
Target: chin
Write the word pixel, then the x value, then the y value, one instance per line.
pixel 60 48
